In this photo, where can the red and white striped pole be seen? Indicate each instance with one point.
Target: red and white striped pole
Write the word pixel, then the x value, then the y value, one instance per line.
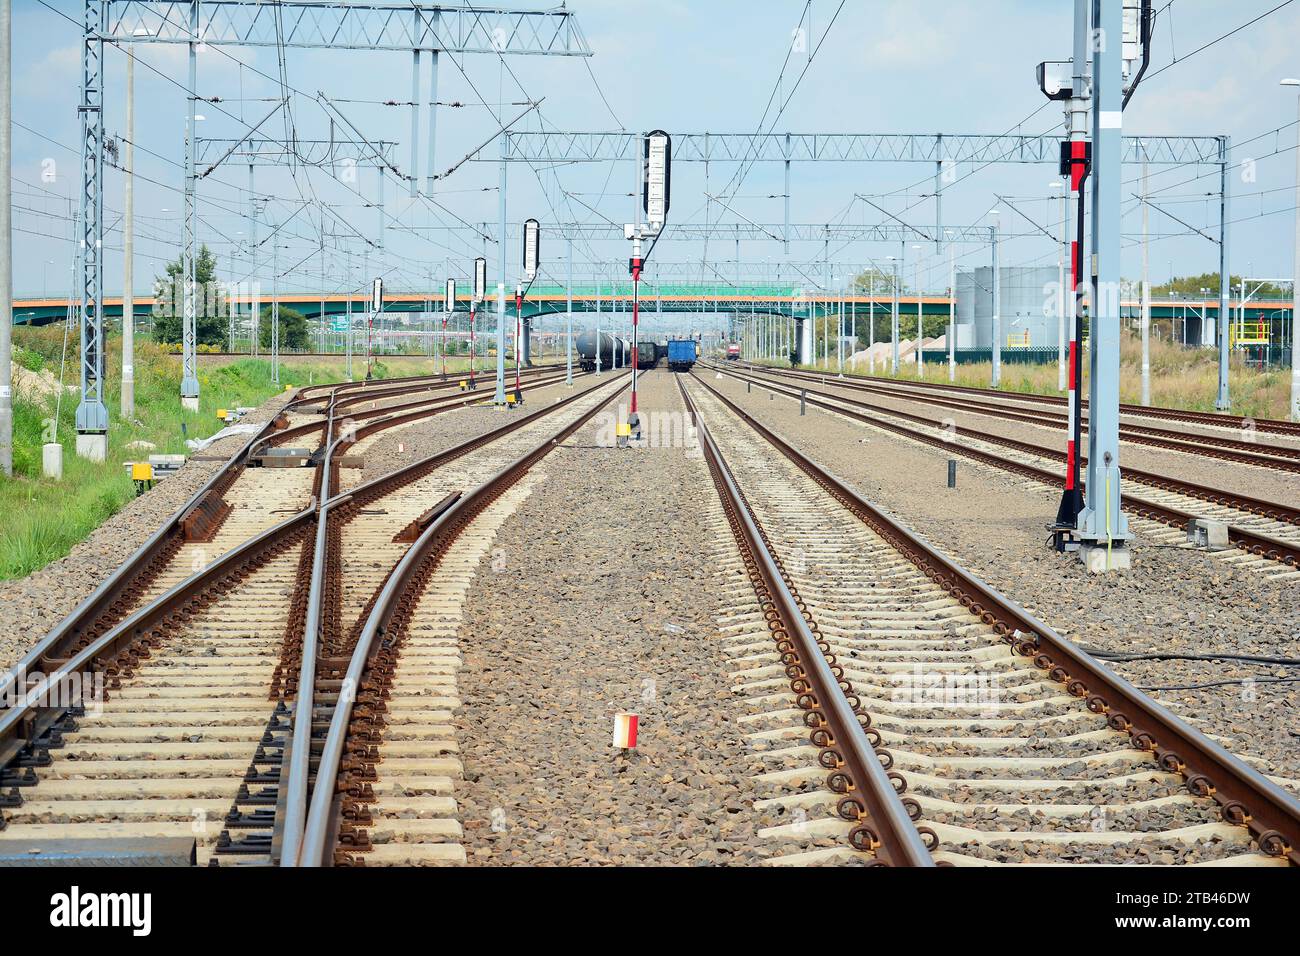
pixel 637 263
pixel 519 319
pixel 472 305
pixel 1072 495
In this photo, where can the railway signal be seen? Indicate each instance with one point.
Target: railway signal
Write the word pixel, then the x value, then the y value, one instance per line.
pixel 532 253
pixel 480 287
pixel 376 306
pixel 1115 73
pixel 656 182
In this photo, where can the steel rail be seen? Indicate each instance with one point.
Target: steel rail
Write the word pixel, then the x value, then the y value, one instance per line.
pixel 442 403
pixel 1254 542
pixel 307 393
pixel 1276 457
pixel 1218 419
pixel 869 796
pixel 389 616
pixel 1246 797
pixel 112 588
pixel 1257 506
pixel 377 388
pixel 299 771
pixel 22 724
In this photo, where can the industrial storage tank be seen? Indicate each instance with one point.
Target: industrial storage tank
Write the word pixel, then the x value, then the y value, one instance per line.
pixel 1028 298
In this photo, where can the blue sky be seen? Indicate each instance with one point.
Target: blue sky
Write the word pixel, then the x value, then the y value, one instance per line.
pixel 921 67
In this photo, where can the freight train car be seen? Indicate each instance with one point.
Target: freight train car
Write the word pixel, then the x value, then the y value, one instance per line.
pixel 647 355
pixel 681 354
pixel 614 352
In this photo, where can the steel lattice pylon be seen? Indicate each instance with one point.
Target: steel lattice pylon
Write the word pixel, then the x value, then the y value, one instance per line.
pixel 92 414
pixel 349 26
pixel 296 24
pixel 571 147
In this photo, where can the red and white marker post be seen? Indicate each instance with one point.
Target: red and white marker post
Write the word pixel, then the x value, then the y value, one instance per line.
pixel 625 730
pixel 637 265
pixel 519 323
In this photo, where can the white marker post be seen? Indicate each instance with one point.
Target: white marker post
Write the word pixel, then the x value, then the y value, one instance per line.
pixel 376 306
pixel 532 252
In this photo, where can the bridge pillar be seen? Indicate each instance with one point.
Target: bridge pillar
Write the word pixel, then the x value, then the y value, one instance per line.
pixel 528 341
pixel 804 340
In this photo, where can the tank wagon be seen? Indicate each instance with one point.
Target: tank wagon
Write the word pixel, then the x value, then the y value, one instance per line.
pixel 611 347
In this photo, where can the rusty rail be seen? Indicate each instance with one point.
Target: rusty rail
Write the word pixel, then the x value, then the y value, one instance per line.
pixel 1246 797
pixel 838 725
pixel 373 659
pixel 1258 544
pixel 1275 457
pixel 1275 426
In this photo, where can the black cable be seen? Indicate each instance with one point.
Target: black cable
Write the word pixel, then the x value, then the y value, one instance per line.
pixel 1162 656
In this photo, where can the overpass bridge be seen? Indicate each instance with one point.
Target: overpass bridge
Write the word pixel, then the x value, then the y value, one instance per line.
pixel 553 300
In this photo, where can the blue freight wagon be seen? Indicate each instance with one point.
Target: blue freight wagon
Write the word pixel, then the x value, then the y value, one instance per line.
pixel 681 354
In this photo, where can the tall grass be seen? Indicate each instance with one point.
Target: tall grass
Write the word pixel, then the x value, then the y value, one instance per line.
pixel 1186 378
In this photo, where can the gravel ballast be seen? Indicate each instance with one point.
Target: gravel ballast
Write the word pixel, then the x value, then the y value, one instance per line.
pixel 602 600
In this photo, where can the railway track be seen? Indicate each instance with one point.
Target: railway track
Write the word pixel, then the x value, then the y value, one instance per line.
pixel 894 697
pixel 198 640
pixel 385 678
pixel 1259 454
pixel 1237 423
pixel 1267 531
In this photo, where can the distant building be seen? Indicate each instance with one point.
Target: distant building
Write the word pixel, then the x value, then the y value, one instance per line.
pixel 1028 296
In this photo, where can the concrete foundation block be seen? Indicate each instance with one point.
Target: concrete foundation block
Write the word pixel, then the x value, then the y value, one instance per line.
pixel 52 460
pixel 1207 533
pixel 190 403
pixel 1095 558
pixel 93 447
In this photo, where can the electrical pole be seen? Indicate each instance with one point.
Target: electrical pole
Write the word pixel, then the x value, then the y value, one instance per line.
pixel 189 242
pixel 1102 526
pixel 997 306
pixel 952 312
pixel 499 398
pixel 6 244
pixel 128 244
pixel 598 327
pixel 1295 282
pixel 893 324
pixel 568 332
pixel 1223 402
pixel 1146 288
